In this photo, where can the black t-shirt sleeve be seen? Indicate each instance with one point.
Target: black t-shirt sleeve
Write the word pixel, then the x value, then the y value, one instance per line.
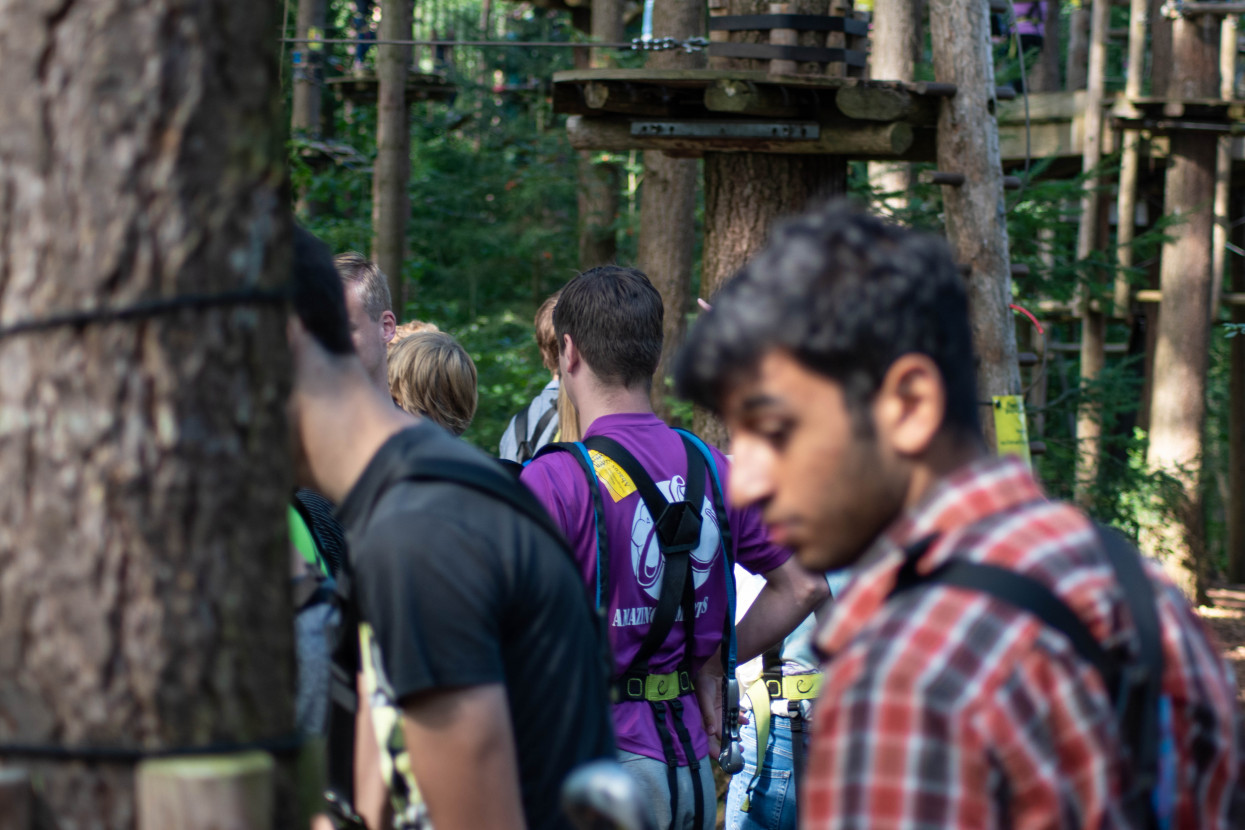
pixel 434 601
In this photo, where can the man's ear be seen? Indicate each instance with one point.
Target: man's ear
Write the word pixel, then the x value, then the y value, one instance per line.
pixel 570 354
pixel 910 404
pixel 389 324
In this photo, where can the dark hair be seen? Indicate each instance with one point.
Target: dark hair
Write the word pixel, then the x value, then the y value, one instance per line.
pixel 614 316
pixel 846 294
pixel 316 294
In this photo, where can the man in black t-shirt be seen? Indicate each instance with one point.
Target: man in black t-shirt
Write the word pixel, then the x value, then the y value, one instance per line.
pixel 477 622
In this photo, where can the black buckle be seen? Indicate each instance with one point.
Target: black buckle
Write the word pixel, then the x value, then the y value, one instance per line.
pixel 774 687
pixel 678 527
pixel 685 683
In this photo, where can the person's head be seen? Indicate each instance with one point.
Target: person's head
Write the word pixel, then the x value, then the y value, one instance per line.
pixel 406 329
pixel 430 374
pixel 546 337
pixel 372 321
pixel 609 318
pixel 841 360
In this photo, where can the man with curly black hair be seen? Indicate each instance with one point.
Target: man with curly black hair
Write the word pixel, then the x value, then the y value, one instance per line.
pixel 841 360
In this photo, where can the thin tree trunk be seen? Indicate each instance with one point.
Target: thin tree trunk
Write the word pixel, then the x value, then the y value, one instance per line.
pixel 895 51
pixel 1089 241
pixel 1236 414
pixel 305 106
pixel 968 143
pixel 1077 71
pixel 668 203
pixel 391 206
pixel 599 181
pixel 142 538
pixel 1178 399
pixel 1045 74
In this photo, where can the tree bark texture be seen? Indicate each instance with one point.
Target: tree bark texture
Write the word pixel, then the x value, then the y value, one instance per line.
pixel 309 73
pixel 391 207
pixel 968 143
pixel 667 241
pixel 1236 416
pixel 745 193
pixel 1181 357
pixel 143 553
pixel 896 49
pixel 600 180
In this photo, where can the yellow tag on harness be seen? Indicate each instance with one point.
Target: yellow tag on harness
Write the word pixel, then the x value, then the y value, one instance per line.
pixel 616 481
pixel 1009 426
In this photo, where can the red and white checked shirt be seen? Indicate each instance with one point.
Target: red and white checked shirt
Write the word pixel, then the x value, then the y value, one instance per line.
pixel 947 708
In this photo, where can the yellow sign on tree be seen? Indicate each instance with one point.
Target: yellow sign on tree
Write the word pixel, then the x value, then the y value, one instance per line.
pixel 1010 427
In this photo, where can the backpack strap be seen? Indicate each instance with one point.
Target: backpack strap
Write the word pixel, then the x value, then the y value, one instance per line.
pixel 524 444
pixel 580 453
pixel 1134 686
pixel 731 758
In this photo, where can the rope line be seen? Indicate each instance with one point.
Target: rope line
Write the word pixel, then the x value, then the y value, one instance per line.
pixel 144 310
pixel 662 44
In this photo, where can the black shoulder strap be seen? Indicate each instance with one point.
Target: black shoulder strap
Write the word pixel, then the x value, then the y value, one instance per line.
pixel 524 451
pixel 1134 686
pixel 543 424
pixel 677 526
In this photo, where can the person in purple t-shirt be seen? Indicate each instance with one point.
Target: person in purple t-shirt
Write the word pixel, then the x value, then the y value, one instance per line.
pixel 608 322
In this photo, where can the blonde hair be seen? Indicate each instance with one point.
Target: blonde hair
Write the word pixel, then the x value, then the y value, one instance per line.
pixel 546 337
pixel 568 417
pixel 431 374
pixel 406 330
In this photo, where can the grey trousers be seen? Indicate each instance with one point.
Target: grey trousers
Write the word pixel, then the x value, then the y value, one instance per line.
pixel 650 776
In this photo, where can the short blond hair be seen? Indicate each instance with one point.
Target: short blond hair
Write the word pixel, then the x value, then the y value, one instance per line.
pixel 358 270
pixel 407 329
pixel 431 374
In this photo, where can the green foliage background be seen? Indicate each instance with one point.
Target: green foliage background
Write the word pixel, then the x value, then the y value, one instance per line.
pixel 493 231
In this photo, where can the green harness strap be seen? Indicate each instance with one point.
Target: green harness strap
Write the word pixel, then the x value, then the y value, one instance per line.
pixel 303 542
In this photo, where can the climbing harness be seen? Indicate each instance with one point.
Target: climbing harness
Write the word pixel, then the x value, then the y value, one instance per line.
pixel 677 527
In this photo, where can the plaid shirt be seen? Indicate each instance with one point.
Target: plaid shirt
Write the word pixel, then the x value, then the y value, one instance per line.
pixel 947 708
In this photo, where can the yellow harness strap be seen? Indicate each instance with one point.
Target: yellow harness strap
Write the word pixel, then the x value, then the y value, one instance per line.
pixel 760 693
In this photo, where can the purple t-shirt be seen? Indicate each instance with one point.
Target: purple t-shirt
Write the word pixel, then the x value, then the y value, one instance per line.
pixel 636 565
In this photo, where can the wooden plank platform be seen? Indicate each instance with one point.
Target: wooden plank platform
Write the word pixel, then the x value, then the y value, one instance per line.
pixel 420 86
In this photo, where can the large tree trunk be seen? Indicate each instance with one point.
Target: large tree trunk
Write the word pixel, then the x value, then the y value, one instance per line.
pixel 896 50
pixel 1178 398
pixel 599 180
pixel 668 204
pixel 968 143
pixel 143 559
pixel 745 193
pixel 390 200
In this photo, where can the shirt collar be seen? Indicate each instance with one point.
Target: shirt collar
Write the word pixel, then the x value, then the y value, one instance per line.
pixel 968 495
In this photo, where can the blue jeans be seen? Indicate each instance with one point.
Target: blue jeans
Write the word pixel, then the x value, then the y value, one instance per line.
pixel 772 799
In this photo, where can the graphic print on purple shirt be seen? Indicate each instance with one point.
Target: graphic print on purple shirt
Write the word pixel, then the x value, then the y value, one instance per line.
pixel 636 565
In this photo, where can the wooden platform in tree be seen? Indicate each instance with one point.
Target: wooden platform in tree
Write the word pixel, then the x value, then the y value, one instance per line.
pixel 420 86
pixel 689 112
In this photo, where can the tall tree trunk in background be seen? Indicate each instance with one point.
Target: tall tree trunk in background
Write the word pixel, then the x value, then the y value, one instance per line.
pixel 143 554
pixel 391 207
pixel 308 75
pixel 1077 70
pixel 1044 76
pixel 896 50
pixel 599 181
pixel 1181 357
pixel 745 193
pixel 968 143
pixel 668 203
